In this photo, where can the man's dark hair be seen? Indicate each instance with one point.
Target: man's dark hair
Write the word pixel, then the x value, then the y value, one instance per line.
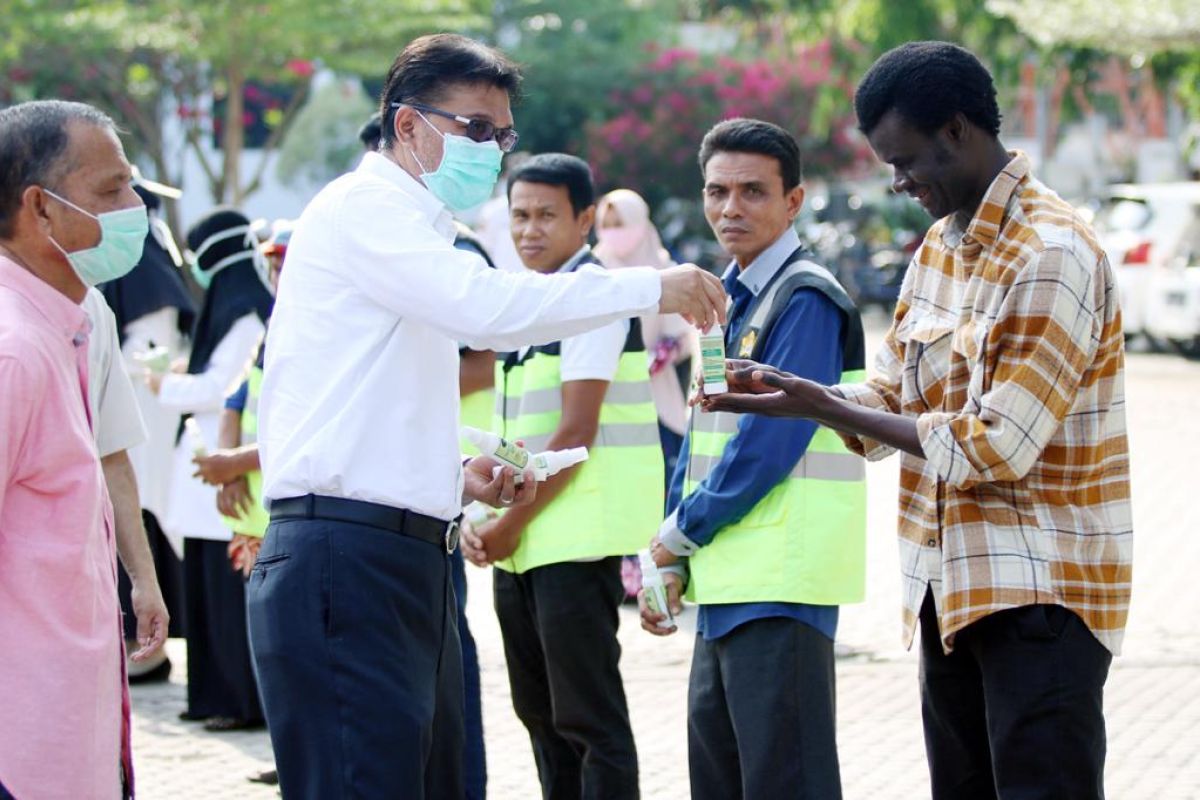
pixel 431 65
pixel 34 149
pixel 927 83
pixel 754 136
pixel 559 169
pixel 370 131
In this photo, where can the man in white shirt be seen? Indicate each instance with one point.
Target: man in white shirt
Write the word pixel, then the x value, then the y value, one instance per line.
pixel 117 426
pixel 558 580
pixel 351 613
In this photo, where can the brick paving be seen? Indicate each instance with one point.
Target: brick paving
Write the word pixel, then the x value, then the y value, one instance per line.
pixel 1152 701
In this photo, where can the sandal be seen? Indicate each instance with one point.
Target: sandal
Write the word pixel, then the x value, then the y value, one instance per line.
pixel 222 724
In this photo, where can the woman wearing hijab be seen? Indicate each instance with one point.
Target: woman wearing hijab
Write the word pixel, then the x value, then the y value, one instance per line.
pixel 227 264
pixel 626 238
pixel 153 309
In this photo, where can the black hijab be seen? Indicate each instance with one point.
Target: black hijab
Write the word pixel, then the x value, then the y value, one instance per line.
pixel 154 283
pixel 237 288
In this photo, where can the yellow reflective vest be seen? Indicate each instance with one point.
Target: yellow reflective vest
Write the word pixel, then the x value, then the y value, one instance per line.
pixel 254 522
pixel 613 504
pixel 805 541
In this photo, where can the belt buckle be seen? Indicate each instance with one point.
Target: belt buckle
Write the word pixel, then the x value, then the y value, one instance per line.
pixel 452 532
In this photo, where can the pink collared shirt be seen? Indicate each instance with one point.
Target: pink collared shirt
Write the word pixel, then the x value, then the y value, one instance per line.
pixel 63 698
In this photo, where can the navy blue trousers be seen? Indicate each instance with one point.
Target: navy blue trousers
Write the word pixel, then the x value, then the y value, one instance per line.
pixel 354 634
pixel 474 756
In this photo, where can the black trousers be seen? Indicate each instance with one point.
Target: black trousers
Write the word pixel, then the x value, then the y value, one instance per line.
pixel 354 635
pixel 169 569
pixel 1016 710
pixel 761 714
pixel 559 625
pixel 220 676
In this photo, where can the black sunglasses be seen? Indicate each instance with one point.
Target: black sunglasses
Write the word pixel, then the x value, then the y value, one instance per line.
pixel 478 130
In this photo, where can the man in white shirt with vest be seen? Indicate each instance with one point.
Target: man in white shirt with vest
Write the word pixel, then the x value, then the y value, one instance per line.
pixel 558 583
pixel 351 613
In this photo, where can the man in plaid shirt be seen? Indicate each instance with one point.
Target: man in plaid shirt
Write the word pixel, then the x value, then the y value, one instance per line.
pixel 1001 381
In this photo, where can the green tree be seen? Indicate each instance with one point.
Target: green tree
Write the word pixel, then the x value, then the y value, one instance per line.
pixel 146 51
pixel 575 54
pixel 323 141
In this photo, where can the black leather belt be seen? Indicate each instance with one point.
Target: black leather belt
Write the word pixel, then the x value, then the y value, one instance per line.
pixel 438 532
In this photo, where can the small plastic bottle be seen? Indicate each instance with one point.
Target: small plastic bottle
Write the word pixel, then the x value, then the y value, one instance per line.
pixel 156 359
pixel 553 462
pixel 712 359
pixel 478 514
pixel 195 438
pixel 493 446
pixel 656 589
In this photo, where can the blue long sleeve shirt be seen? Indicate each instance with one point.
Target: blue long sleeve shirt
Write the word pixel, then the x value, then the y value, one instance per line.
pixel 806 341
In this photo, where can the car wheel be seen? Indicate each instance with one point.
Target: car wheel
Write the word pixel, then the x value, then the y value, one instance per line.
pixel 1189 348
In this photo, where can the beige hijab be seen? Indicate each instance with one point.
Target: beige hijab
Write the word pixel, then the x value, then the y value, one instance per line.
pixel 636 243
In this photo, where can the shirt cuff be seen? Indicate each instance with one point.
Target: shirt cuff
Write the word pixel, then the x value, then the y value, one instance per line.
pixel 941 449
pixel 679 568
pixel 674 539
pixel 862 394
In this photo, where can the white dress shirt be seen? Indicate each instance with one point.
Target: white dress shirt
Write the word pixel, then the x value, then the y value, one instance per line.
pixel 360 395
pixel 116 420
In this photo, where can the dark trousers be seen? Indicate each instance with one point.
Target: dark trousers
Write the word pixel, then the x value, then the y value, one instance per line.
pixel 1016 710
pixel 559 624
pixel 220 675
pixel 169 570
pixel 761 716
pixel 354 635
pixel 474 754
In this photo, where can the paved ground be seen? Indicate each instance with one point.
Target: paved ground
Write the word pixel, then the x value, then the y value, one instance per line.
pixel 1152 703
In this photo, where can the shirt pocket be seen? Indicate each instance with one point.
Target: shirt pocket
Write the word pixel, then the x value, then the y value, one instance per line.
pixel 926 338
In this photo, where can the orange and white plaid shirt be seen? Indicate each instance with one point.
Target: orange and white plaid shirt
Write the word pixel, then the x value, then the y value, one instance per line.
pixel 1007 348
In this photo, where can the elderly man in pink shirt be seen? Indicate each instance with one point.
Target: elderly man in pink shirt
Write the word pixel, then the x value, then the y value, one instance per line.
pixel 68 218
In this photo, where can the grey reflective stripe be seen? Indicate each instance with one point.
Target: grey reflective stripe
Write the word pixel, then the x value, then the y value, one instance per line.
pixel 831 467
pixel 625 435
pixel 541 401
pixel 768 300
pixel 813 466
pixel 714 422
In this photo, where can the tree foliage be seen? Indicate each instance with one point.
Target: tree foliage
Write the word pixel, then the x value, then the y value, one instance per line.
pixel 140 55
pixel 574 53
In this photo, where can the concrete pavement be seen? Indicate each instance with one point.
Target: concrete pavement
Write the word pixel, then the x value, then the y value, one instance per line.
pixel 1152 702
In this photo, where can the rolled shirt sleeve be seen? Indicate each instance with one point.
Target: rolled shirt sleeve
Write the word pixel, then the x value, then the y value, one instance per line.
pixel 1036 353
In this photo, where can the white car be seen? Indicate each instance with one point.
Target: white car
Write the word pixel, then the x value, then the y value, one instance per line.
pixel 1143 228
pixel 1173 302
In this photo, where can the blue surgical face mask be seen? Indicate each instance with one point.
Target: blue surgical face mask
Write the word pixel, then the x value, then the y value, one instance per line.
pixel 468 171
pixel 122 236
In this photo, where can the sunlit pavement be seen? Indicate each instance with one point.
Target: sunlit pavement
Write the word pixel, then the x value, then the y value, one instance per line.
pixel 1152 703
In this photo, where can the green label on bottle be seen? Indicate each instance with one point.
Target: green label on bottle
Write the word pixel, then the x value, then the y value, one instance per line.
pixel 510 453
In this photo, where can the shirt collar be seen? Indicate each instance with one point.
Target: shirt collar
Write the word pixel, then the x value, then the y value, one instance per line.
pixel 572 262
pixel 985 226
pixel 431 208
pixel 56 308
pixel 756 276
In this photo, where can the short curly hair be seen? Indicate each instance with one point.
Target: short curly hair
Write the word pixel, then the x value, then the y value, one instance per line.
pixel 927 83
